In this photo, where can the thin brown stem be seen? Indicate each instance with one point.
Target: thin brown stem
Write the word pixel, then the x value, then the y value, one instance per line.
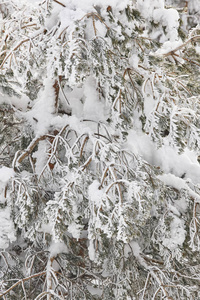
pixel 22 281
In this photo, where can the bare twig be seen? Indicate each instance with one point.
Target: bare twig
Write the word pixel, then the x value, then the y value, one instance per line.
pixel 59 3
pixel 21 282
pixel 192 39
pixel 30 148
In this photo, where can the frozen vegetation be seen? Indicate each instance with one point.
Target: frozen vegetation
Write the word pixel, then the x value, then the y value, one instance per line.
pixel 99 149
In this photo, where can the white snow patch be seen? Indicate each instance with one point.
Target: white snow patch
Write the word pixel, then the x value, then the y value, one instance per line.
pixel 167 18
pixel 40 156
pixel 134 60
pixel 172 180
pixel 41 114
pixel 94 291
pixel 167 47
pixel 132 248
pixel 170 19
pixel 165 157
pixel 178 183
pixel 6 174
pixel 95 194
pixel 147 7
pixel 57 247
pixel 177 234
pixel 46 228
pixel 75 230
pixel 91 250
pixel 7 230
pixel 93 108
pixel 20 103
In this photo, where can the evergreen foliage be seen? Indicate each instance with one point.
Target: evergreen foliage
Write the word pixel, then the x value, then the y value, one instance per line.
pixel 99 145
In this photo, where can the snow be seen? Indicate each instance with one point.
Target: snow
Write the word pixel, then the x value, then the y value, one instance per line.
pixel 91 250
pixel 6 173
pixel 179 183
pixel 75 230
pixel 177 234
pixel 180 171
pixel 41 114
pixel 165 157
pixel 94 290
pixel 95 194
pixel 57 247
pixel 88 5
pixel 146 7
pixel 132 248
pixel 167 47
pixel 170 19
pixel 7 229
pixel 40 157
pixel 19 103
pixel 167 19
pixel 92 108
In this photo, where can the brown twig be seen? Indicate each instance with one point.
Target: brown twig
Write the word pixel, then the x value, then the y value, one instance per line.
pixel 192 39
pixel 60 3
pixel 30 148
pixel 11 52
pixel 188 60
pixel 56 89
pixel 95 15
pixel 83 145
pixel 22 281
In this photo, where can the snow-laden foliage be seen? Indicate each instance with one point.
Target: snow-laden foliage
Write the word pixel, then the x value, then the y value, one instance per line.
pixel 99 145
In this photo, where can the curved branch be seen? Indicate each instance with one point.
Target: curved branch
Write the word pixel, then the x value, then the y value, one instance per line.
pixel 22 281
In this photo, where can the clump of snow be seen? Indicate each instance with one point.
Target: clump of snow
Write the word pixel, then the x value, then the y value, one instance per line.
pixel 178 183
pixel 56 248
pixel 6 174
pixel 76 10
pixel 171 180
pixel 168 18
pixel 134 60
pixel 87 5
pixel 46 228
pixel 95 194
pixel 75 230
pixel 91 250
pixel 147 7
pixel 41 114
pixel 7 230
pixel 20 103
pixel 94 290
pixel 177 234
pixel 168 46
pixel 40 157
pixel 93 108
pixel 132 248
pixel 166 157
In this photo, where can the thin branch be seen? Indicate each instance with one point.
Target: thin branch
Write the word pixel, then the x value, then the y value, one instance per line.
pixel 60 3
pixel 192 39
pixel 30 148
pixel 22 281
